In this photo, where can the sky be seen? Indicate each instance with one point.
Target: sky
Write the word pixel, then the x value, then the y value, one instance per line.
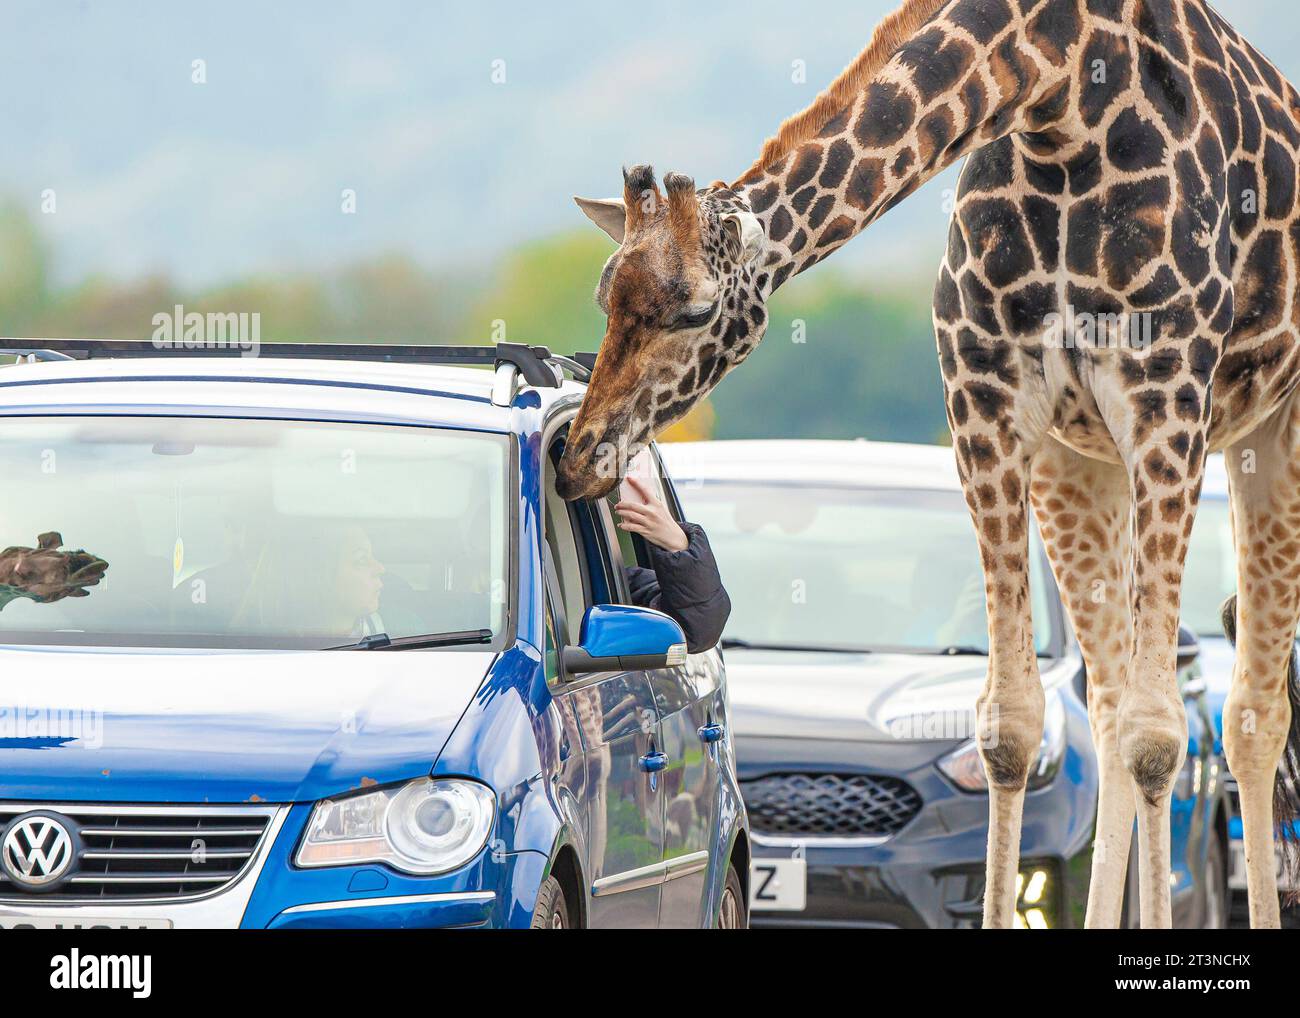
pixel 456 131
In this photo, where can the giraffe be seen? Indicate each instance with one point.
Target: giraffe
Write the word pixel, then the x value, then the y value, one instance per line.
pixel 45 574
pixel 1117 299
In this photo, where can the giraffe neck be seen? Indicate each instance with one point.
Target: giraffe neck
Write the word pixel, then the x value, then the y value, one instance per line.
pixel 976 72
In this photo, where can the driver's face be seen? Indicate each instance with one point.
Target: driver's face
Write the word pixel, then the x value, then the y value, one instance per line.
pixel 359 582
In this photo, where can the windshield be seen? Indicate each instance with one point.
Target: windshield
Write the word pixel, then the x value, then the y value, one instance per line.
pixel 178 532
pixel 1210 574
pixel 852 567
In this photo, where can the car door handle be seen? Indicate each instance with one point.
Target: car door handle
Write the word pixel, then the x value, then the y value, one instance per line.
pixel 711 732
pixel 654 762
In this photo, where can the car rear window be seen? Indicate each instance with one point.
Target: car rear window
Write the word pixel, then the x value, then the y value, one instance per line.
pixel 853 568
pixel 188 532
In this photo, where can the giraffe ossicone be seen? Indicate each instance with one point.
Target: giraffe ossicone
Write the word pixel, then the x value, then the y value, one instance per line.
pixel 1129 161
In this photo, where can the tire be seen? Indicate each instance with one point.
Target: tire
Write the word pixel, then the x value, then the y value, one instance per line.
pixel 733 911
pixel 1217 899
pixel 552 909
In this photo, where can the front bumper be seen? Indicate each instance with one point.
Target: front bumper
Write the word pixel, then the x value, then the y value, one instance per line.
pixel 497 889
pixel 849 888
pixel 931 873
pixel 414 911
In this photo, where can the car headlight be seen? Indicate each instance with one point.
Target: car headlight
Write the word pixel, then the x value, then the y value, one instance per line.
pixel 424 826
pixel 966 770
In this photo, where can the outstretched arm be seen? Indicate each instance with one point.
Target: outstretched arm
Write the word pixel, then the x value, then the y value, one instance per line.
pixel 684 581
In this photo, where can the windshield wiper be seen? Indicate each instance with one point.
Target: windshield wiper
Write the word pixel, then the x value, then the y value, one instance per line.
pixel 736 643
pixel 961 651
pixel 382 641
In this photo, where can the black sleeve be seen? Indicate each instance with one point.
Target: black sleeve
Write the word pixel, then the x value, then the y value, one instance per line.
pixel 687 586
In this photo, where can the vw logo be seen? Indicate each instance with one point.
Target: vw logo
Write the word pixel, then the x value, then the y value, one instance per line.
pixel 38 850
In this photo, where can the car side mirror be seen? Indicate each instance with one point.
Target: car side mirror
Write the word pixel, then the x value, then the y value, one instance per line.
pixel 617 638
pixel 1189 647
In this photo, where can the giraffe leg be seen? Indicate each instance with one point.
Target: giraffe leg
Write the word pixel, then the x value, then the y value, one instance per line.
pixel 1264 471
pixel 1084 512
pixel 1165 488
pixel 1009 710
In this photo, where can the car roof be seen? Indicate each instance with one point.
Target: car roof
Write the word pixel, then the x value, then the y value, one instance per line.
pixel 432 393
pixel 857 463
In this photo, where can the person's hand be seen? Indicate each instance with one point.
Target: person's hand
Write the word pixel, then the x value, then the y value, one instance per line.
pixel 46 574
pixel 648 516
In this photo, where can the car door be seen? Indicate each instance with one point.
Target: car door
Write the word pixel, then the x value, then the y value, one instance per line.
pixel 689 701
pixel 616 714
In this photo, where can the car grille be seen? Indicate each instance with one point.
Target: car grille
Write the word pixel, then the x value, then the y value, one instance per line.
pixel 148 852
pixel 830 805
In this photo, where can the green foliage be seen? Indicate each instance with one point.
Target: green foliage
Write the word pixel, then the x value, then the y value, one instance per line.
pixel 23 270
pixel 866 367
pixel 544 295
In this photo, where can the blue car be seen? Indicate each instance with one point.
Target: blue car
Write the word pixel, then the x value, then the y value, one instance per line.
pixel 308 640
pixel 856 648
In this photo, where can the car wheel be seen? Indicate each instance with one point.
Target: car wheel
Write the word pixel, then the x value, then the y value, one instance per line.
pixel 1216 886
pixel 552 910
pixel 733 913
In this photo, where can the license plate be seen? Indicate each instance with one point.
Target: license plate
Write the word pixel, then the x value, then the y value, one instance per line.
pixel 21 922
pixel 778 885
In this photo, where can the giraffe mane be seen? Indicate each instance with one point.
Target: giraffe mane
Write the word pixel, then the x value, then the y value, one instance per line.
pixel 889 35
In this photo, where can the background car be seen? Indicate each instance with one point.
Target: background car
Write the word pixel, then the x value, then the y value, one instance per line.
pixel 322 647
pixel 856 648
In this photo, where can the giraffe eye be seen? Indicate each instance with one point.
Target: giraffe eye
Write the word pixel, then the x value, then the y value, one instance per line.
pixel 695 319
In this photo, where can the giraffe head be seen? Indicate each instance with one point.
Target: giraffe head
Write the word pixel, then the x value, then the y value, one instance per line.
pixel 684 298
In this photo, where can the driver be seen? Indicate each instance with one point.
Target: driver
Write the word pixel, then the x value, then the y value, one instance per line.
pixel 315 578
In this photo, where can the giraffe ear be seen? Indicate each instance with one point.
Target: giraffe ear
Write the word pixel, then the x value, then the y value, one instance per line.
pixel 746 233
pixel 607 213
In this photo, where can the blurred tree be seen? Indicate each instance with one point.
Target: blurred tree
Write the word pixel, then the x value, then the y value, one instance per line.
pixel 544 295
pixel 24 271
pixel 839 361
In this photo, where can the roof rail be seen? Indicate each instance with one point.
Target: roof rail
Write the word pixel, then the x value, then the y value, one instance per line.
pixel 536 364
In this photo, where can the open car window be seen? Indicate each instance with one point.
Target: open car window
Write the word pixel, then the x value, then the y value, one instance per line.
pixel 645 468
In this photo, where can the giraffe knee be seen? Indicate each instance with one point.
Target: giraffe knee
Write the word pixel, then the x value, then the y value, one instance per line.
pixel 1153 759
pixel 1006 763
pixel 1153 740
pixel 1010 726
